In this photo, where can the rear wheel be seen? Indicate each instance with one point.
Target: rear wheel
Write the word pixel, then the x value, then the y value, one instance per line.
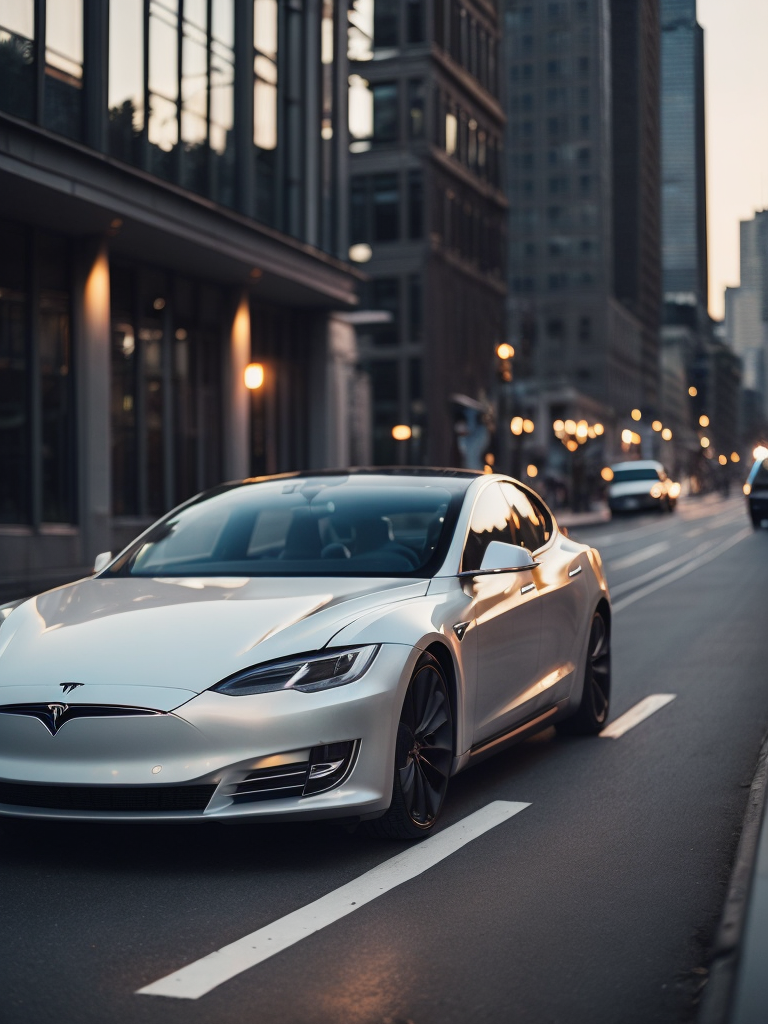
pixel 592 712
pixel 423 756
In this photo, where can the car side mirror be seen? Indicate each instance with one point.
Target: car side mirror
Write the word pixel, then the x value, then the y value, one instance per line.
pixel 501 557
pixel 102 561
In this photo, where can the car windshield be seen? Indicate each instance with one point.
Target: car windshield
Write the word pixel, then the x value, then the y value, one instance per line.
pixel 625 476
pixel 309 526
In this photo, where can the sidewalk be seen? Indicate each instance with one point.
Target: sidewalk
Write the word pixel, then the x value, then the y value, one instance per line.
pixel 594 517
pixel 737 991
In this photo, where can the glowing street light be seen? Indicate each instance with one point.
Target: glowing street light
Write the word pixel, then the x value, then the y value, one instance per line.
pixel 599 429
pixel 705 442
pixel 505 351
pixel 657 426
pixel 693 392
pixel 528 426
pixel 532 471
pixel 254 376
pixel 723 460
pixel 704 420
pixel 607 474
pixel 735 457
pixel 517 425
pixel 760 453
pixel 636 415
pixel 666 434
pixel 626 436
pixel 401 432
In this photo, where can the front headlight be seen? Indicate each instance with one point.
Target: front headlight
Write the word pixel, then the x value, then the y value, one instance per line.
pixel 307 672
pixel 656 491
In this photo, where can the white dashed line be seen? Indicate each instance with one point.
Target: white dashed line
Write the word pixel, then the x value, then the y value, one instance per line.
pixel 639 556
pixel 636 715
pixel 200 977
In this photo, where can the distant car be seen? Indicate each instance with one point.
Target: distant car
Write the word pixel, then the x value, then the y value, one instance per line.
pixel 641 485
pixel 756 490
pixel 326 645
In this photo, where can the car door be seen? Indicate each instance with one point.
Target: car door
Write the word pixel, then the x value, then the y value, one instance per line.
pixel 507 621
pixel 561 587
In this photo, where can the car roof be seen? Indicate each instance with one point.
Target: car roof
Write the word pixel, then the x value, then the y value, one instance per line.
pixel 637 464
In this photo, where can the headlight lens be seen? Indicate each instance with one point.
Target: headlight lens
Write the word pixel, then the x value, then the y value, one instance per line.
pixel 656 491
pixel 307 672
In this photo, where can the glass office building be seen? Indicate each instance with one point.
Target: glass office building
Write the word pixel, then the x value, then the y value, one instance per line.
pixel 173 206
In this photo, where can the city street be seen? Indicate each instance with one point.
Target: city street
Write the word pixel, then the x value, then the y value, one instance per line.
pixel 594 903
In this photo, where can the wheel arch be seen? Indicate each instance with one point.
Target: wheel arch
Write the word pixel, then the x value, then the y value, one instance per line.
pixel 442 654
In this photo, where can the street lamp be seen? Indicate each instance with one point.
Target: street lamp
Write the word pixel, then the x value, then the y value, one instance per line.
pixel 705 442
pixel 253 376
pixel 704 420
pixel 636 415
pixel 401 432
pixel 666 434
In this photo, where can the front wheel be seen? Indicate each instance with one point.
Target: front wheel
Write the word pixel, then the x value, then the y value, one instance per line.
pixel 592 713
pixel 423 756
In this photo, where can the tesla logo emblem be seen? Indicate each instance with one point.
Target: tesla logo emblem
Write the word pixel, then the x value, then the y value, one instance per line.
pixel 56 711
pixel 69 687
pixel 460 629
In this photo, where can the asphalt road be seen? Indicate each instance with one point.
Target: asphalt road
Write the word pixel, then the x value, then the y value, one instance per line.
pixel 593 904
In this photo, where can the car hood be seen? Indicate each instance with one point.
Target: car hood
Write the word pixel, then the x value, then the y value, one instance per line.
pixel 176 637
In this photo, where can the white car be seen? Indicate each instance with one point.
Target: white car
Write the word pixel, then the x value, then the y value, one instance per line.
pixel 306 646
pixel 643 484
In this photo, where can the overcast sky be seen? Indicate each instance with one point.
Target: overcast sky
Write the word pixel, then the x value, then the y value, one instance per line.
pixel 736 56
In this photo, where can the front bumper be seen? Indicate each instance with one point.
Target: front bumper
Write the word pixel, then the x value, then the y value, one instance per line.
pixel 216 741
pixel 634 503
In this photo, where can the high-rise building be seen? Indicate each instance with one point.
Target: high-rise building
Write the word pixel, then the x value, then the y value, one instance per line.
pixel 583 179
pixel 746 316
pixel 428 214
pixel 172 207
pixel 684 190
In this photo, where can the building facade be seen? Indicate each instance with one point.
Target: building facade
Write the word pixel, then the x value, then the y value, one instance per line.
pixel 173 206
pixel 427 214
pixel 583 176
pixel 746 320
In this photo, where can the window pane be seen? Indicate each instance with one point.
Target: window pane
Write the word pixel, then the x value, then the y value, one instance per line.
pixel 124 468
pixel 222 102
pixel 64 66
pixel 530 528
pixel 385 295
pixel 126 78
pixel 358 227
pixel 415 204
pixel 360 30
pixel 416 104
pixel 415 21
pixel 385 112
pixel 17 55
pixel 491 521
pixel 386 207
pixel 163 87
pixel 194 96
pixel 14 376
pixel 385 17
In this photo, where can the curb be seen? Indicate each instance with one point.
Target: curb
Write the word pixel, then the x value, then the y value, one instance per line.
pixel 718 995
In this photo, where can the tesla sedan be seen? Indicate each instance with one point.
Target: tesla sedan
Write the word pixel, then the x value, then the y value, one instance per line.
pixel 304 646
pixel 756 490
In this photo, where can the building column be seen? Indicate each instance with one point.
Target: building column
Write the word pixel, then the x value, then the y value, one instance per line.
pixel 93 335
pixel 237 398
pixel 333 369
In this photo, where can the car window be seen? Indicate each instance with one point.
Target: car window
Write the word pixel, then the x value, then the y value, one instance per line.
pixel 325 526
pixel 531 527
pixel 625 476
pixel 491 520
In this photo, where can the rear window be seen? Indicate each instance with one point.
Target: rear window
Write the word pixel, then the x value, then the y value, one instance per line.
pixel 625 476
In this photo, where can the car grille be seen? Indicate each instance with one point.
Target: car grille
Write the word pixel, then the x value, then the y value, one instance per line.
pixel 272 783
pixel 107 798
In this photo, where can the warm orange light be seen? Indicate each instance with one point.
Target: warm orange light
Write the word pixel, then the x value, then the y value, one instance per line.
pixel 607 474
pixel 705 442
pixel 636 414
pixel 760 453
pixel 487 468
pixel 723 460
pixel 704 420
pixel 490 458
pixel 516 426
pixel 582 430
pixel 626 436
pixel 657 425
pixel 253 376
pixel 528 426
pixel 666 434
pixel 401 432
pixel 747 489
pixel 505 351
pixel 570 426
pixel 735 457
pixel 636 439
pixel 674 490
pixel 599 429
pixel 693 392
pixel 572 445
pixel 532 470
pixel 558 426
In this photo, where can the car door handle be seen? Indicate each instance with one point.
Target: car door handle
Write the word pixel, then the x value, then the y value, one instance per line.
pixel 527 588
pixel 575 572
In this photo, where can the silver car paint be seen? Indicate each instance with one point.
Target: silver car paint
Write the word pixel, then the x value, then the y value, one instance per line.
pixel 184 635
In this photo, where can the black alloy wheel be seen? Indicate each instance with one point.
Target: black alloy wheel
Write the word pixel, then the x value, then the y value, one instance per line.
pixel 592 713
pixel 423 756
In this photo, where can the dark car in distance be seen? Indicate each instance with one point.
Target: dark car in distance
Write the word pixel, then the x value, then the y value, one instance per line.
pixel 756 490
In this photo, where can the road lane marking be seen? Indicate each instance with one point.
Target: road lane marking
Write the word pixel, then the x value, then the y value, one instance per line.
pixel 684 570
pixel 647 707
pixel 200 977
pixel 639 556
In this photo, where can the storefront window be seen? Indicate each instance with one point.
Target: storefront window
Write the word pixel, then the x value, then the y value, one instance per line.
pixel 222 102
pixel 194 94
pixel 14 376
pixel 163 128
pixel 64 67
pixel 265 106
pixel 17 58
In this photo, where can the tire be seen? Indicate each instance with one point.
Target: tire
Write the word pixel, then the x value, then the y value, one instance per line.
pixel 421 779
pixel 592 712
pixel 757 521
